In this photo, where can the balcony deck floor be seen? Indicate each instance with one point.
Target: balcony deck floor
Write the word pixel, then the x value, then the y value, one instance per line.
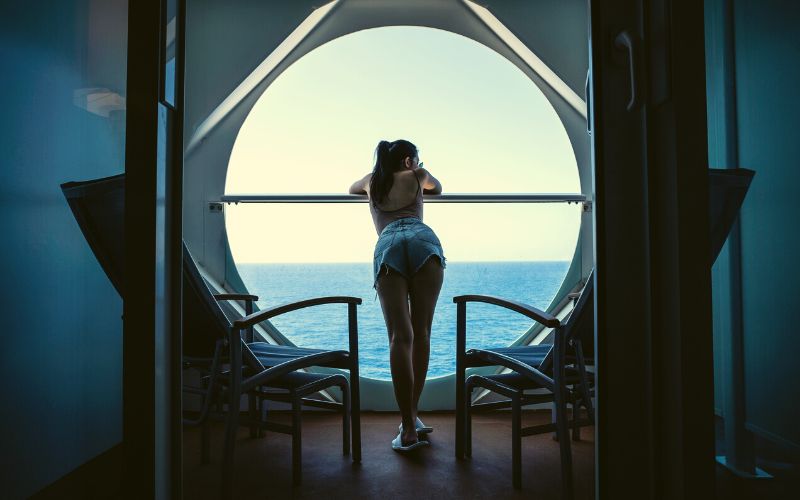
pixel 264 464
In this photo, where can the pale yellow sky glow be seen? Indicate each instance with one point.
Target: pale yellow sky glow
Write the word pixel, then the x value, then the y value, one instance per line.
pixel 481 126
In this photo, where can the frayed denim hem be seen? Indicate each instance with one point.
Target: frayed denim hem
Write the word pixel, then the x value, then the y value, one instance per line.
pixel 383 265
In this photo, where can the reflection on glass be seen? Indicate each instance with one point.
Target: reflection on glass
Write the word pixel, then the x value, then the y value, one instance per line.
pixel 169 82
pixel 169 53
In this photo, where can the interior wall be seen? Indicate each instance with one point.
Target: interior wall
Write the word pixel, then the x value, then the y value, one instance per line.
pixel 767 44
pixel 60 318
pixel 551 29
pixel 766 49
pixel 226 41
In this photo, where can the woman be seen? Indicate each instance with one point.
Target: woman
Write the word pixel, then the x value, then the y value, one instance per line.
pixel 408 271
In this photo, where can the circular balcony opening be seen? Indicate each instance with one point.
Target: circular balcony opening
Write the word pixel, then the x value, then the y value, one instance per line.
pixel 481 125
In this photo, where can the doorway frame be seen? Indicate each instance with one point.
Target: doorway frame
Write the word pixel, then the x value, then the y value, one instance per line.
pixel 655 436
pixel 655 429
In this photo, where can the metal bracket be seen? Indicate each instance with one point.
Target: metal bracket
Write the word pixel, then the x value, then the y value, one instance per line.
pixel 587 206
pixel 215 207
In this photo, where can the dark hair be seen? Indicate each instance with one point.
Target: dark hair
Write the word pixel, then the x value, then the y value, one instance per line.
pixel 389 158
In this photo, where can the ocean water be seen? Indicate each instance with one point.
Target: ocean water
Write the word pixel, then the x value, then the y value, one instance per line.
pixel 325 326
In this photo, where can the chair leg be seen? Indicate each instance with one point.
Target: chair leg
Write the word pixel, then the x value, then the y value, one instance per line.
pixel 355 413
pixel 587 403
pixel 576 415
pixel 468 422
pixel 566 446
pixel 461 370
pixel 205 427
pixel 252 414
pixel 586 394
pixel 516 442
pixel 461 413
pixel 297 448
pixel 345 419
pixel 261 408
pixel 205 445
pixel 230 442
pixel 554 419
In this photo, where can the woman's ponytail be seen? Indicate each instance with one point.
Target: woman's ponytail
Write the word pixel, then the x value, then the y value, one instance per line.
pixel 382 177
pixel 383 149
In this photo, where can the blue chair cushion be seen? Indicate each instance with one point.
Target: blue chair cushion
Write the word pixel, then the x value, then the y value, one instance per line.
pixel 531 355
pixel 297 379
pixel 273 355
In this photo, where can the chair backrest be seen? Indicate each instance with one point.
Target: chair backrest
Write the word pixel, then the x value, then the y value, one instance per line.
pixel 727 188
pixel 99 207
pixel 580 324
pixel 578 329
pixel 204 321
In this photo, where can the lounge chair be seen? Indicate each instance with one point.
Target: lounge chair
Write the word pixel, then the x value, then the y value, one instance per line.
pixel 559 369
pixel 221 343
pixel 264 371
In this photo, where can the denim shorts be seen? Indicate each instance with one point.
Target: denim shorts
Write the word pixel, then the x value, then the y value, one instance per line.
pixel 404 246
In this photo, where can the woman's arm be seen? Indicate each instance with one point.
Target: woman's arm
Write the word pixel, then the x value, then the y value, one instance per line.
pixel 429 183
pixel 361 186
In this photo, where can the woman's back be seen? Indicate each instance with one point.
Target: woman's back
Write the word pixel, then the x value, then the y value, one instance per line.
pixel 403 200
pixel 405 189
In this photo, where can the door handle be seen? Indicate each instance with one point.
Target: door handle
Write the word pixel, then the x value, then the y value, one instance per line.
pixel 625 41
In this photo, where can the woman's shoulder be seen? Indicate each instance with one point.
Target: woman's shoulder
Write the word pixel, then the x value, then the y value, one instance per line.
pixel 404 173
pixel 411 176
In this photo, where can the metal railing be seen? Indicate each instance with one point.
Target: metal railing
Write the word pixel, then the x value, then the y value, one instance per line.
pixel 429 198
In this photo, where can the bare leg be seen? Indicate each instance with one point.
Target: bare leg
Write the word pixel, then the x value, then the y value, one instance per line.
pixel 425 288
pixel 393 293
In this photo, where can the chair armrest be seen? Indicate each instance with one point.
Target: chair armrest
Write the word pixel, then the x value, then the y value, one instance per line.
pixel 518 366
pixel 262 315
pixel 276 371
pixel 524 309
pixel 235 296
pixel 248 299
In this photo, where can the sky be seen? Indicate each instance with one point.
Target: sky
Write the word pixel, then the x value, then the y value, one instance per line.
pixel 480 124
